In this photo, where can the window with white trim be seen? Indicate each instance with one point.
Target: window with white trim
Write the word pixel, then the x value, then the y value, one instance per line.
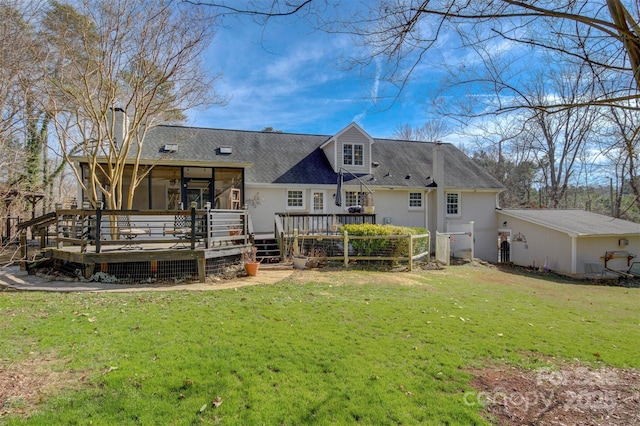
pixel 352 154
pixel 415 200
pixel 295 199
pixel 318 201
pixel 353 198
pixel 453 204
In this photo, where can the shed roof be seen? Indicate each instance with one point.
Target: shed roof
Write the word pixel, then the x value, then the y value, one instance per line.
pixel 576 222
pixel 290 158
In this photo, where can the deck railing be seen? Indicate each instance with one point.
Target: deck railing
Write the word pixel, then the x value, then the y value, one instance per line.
pixel 321 224
pixel 288 224
pixel 96 230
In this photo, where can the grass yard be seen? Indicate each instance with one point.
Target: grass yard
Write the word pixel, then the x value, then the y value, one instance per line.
pixel 324 347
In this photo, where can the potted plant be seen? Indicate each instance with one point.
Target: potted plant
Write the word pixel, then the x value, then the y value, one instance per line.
pixel 234 232
pixel 368 208
pixel 299 262
pixel 299 258
pixel 251 264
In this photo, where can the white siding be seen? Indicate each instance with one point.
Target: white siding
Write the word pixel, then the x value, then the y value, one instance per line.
pixel 479 207
pixel 330 153
pixel 394 204
pixel 592 249
pixel 555 248
pixel 542 246
pixel 354 136
pixel 272 200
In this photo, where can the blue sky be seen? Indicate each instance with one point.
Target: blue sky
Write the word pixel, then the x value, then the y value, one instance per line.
pixel 290 77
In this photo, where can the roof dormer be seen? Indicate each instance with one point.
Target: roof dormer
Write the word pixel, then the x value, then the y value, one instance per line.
pixel 350 149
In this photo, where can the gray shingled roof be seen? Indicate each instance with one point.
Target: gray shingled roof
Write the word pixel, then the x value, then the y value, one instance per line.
pixel 576 222
pixel 297 158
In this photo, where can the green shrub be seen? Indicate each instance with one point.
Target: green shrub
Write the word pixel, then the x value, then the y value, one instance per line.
pixel 401 248
pixel 367 247
pixel 394 248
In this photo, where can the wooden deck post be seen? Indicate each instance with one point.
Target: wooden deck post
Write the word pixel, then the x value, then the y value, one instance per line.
pixel 202 275
pixel 98 228
pixel 24 250
pixel 89 269
pixel 193 228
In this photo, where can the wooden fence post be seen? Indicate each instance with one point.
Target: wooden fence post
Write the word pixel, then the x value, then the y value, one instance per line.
pixel 410 252
pixel 295 250
pixel 346 249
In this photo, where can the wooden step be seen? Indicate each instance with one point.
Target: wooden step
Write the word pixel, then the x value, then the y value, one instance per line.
pixel 268 251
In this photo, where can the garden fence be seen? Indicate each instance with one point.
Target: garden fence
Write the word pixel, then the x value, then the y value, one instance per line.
pixel 349 248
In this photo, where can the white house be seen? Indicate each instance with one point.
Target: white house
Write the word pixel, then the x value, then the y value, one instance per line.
pixel 430 185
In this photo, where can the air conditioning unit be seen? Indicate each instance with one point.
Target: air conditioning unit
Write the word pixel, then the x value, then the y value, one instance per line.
pixel 623 242
pixel 386 221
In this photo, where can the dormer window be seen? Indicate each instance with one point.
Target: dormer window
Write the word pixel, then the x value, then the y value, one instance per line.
pixel 352 154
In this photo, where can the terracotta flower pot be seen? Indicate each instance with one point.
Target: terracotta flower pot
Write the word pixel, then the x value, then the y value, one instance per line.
pixel 252 268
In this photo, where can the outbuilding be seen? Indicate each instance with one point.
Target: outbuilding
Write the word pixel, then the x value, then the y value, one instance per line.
pixel 569 242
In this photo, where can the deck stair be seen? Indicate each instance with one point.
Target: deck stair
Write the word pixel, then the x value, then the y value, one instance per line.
pixel 268 251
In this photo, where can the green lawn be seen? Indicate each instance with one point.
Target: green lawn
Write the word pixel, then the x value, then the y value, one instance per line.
pixel 325 347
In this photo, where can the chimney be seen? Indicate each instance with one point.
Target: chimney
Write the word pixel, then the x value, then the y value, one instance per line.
pixel 118 121
pixel 438 177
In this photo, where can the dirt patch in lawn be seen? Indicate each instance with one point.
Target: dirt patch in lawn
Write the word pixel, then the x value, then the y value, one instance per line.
pixel 570 395
pixel 357 277
pixel 23 385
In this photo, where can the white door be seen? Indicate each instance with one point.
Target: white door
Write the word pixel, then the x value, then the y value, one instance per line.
pixel 318 201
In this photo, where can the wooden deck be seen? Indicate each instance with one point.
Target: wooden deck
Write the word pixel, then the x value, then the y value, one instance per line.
pixel 152 253
pixel 147 245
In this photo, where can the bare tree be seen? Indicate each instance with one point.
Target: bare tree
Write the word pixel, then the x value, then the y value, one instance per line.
pixel 558 139
pixel 400 34
pixel 20 156
pixel 497 145
pixel 431 131
pixel 141 58
pixel 620 144
pixel 505 39
pixel 17 57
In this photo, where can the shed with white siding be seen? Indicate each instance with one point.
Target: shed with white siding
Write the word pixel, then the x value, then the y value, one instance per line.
pixel 568 241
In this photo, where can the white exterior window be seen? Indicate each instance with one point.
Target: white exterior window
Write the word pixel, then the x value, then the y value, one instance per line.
pixel 415 200
pixel 353 198
pixel 353 154
pixel 295 199
pixel 453 204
